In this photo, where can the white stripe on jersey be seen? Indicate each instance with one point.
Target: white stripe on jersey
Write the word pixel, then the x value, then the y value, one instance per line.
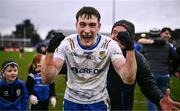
pixel 87 68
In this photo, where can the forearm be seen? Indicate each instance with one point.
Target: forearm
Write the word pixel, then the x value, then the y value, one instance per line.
pixel 50 69
pixel 145 41
pixel 129 69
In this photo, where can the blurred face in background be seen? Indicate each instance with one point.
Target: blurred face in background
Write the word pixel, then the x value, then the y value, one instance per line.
pixel 166 35
pixel 40 62
pixel 115 32
pixel 10 73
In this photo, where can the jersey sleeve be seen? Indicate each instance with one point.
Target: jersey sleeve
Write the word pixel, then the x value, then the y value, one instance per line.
pixel 60 51
pixel 115 51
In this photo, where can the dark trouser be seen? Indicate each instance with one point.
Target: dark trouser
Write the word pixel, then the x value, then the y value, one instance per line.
pixel 123 100
pixel 41 106
pixel 162 81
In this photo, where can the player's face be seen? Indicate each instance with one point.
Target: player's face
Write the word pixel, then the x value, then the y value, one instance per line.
pixel 10 73
pixel 115 32
pixel 88 29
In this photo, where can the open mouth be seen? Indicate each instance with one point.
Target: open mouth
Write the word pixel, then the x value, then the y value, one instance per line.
pixel 87 36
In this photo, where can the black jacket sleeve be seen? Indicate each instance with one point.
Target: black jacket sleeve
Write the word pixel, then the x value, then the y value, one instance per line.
pixel 145 80
pixel 30 84
pixel 52 89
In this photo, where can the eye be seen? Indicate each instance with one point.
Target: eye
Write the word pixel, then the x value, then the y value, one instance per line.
pixel 82 24
pixel 114 32
pixel 92 25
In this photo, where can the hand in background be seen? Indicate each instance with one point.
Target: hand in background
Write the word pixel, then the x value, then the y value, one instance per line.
pixel 167 104
pixel 53 101
pixel 33 99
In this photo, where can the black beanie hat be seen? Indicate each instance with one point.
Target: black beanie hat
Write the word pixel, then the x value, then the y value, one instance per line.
pixel 6 63
pixel 126 24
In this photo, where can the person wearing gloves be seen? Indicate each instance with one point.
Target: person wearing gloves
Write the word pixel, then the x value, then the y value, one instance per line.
pixel 39 93
pixel 87 55
pixel 122 94
pixel 13 92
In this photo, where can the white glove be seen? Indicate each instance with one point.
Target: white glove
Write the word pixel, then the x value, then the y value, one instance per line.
pixel 33 99
pixel 53 101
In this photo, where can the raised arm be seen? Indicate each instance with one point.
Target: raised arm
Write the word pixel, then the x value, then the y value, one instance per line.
pixel 51 68
pixel 157 41
pixel 52 65
pixel 126 68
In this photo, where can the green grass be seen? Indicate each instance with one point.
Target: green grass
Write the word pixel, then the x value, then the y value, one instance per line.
pixel 139 100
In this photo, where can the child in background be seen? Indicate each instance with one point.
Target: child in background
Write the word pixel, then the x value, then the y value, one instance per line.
pixel 13 92
pixel 39 93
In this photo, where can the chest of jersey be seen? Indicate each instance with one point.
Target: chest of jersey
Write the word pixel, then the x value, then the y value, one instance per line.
pixel 11 94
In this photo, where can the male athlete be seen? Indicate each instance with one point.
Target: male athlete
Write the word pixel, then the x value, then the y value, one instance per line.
pixel 87 55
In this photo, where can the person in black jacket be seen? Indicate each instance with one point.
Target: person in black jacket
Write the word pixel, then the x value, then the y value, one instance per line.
pixel 121 94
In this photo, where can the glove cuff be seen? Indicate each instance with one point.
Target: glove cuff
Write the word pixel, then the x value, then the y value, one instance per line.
pixel 129 47
pixel 50 50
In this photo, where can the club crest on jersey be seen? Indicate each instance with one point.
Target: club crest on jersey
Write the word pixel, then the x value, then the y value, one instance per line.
pixel 18 92
pixel 102 55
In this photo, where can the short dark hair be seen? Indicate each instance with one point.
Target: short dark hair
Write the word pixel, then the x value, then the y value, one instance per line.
pixel 88 12
pixel 166 29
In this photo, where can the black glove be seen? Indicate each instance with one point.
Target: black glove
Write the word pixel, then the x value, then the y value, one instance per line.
pixel 55 41
pixel 126 40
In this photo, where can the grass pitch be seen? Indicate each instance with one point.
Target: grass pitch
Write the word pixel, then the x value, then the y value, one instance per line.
pixel 139 100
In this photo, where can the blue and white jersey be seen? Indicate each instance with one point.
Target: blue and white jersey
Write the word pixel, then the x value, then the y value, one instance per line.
pixel 87 67
pixel 13 96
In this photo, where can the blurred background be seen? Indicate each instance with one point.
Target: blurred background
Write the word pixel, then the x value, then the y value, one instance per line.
pixel 25 25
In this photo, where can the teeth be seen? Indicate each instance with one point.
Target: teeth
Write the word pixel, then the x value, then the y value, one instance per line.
pixel 87 36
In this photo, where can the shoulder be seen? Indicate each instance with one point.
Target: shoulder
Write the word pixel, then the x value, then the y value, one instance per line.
pixel 32 75
pixel 138 54
pixel 68 40
pixel 108 40
pixel 20 82
pixel 139 57
pixel 104 37
pixel 72 36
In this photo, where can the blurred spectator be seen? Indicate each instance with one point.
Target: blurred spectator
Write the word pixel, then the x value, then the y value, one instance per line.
pixel 21 52
pixel 39 93
pixel 159 54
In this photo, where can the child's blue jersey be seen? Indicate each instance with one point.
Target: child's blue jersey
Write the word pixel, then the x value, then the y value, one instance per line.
pixel 13 96
pixel 42 91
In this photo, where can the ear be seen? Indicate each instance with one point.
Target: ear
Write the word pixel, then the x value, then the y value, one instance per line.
pixel 99 25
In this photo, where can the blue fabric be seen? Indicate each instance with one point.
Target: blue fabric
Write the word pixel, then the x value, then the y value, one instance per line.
pixel 71 106
pixel 13 96
pixel 162 81
pixel 41 90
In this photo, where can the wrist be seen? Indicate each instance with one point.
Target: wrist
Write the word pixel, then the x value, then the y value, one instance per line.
pixel 130 48
pixel 50 50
